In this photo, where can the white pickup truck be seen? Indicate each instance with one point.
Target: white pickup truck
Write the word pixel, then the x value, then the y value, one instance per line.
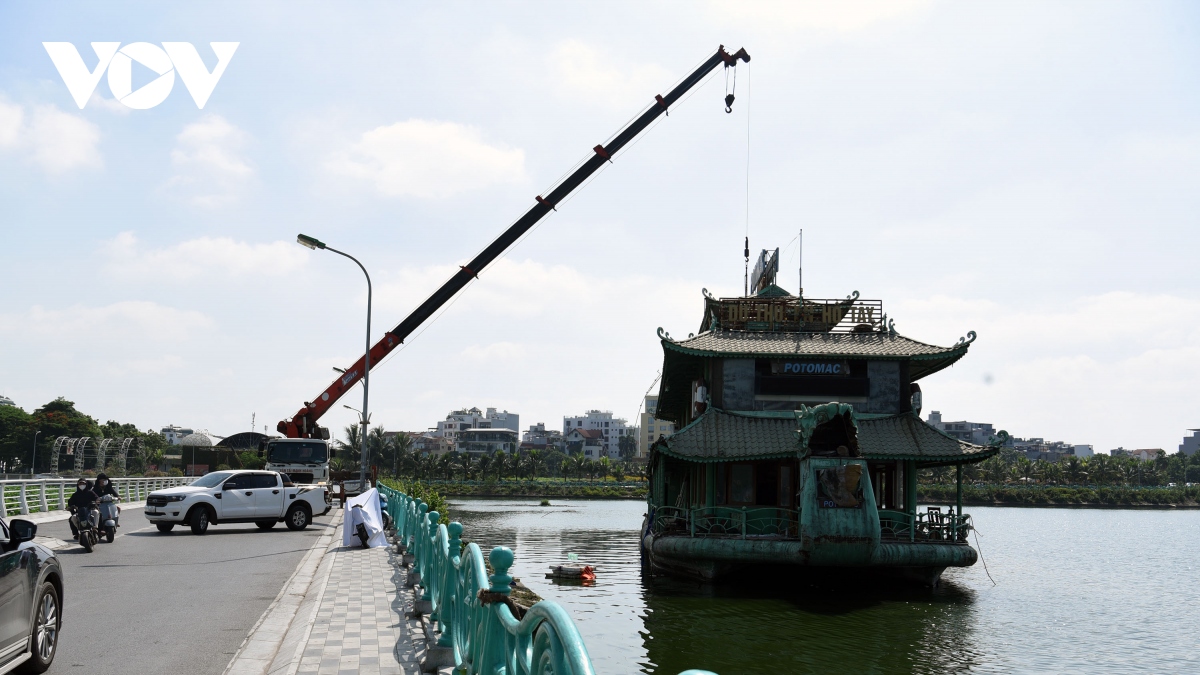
pixel 259 497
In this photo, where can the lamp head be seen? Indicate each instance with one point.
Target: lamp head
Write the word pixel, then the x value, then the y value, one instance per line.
pixel 305 240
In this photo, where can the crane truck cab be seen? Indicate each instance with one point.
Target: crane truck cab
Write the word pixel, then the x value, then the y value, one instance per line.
pixel 304 460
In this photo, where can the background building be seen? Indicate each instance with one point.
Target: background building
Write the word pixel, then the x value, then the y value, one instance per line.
pixel 590 442
pixel 971 432
pixel 651 428
pixel 487 441
pixel 611 430
pixel 4 400
pixel 472 418
pixel 174 434
pixel 1190 443
pixel 538 437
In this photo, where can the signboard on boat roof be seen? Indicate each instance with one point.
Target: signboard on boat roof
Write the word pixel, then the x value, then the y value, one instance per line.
pixel 809 367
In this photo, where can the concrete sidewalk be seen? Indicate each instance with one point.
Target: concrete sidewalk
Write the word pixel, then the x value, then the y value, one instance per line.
pixel 343 611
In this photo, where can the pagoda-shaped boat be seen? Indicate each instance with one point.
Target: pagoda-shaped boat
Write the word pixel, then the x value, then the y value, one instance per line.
pixel 799 441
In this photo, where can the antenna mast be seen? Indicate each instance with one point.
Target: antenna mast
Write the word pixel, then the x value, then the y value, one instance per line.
pixel 746 279
pixel 800 293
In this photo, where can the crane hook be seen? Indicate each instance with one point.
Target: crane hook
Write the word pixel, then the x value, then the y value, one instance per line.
pixel 729 103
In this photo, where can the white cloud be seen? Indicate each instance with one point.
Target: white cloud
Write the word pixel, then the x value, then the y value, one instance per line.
pixel 1075 370
pixel 540 293
pixel 117 322
pixel 815 15
pixel 112 105
pixel 497 351
pixel 203 256
pixel 53 140
pixel 12 118
pixel 586 72
pixel 429 159
pixel 210 167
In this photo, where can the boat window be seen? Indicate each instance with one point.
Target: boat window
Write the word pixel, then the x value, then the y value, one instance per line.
pixel 766 491
pixel 741 484
pixel 721 486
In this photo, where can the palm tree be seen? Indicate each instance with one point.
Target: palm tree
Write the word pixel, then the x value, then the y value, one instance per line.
pixel 578 463
pixel 997 471
pixel 400 449
pixel 535 461
pixel 604 468
pixel 466 466
pixel 1025 469
pixel 1073 469
pixel 484 463
pixel 500 462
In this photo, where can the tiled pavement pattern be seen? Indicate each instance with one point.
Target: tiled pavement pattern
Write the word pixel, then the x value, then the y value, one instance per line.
pixel 360 625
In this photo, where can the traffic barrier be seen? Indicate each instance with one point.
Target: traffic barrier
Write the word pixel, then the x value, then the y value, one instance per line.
pixel 478 631
pixel 22 497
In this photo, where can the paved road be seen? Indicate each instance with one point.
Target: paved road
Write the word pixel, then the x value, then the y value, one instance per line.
pixel 158 603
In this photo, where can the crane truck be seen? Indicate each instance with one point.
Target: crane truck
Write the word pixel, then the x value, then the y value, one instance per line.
pixel 303 424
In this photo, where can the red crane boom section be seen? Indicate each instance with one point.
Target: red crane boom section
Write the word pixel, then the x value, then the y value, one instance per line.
pixel 304 423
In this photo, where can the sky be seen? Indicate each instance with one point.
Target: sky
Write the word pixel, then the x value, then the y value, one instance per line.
pixel 1025 170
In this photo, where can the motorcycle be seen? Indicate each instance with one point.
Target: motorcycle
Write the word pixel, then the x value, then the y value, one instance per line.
pixel 110 517
pixel 87 526
pixel 383 510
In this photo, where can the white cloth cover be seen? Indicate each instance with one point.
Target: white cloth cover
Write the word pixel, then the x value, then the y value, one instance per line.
pixel 369 515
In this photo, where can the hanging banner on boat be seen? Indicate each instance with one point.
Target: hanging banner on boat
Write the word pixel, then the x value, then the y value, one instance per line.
pixel 823 368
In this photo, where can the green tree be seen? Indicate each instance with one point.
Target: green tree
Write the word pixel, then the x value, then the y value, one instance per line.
pixel 627 447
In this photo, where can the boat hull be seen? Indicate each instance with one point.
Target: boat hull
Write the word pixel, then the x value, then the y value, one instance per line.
pixel 712 559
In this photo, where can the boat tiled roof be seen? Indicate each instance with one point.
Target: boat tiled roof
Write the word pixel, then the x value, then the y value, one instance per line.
pixel 719 435
pixel 923 359
pixel 907 437
pixel 845 345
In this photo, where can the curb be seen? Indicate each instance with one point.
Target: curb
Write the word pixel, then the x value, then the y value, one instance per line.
pixel 273 641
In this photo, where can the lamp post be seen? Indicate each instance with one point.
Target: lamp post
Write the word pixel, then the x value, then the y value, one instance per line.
pixel 315 244
pixel 33 459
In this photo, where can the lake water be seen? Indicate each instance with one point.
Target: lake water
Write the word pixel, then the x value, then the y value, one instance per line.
pixel 1076 591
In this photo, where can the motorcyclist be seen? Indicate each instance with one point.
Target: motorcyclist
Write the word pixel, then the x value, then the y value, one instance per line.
pixel 82 500
pixel 104 486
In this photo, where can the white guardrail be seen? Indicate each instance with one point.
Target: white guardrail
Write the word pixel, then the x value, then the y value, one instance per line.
pixel 22 497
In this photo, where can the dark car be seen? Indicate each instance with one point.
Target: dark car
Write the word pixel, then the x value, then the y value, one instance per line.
pixel 31 591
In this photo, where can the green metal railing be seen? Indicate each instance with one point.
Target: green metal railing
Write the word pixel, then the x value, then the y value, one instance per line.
pixel 471 607
pixel 22 497
pixel 931 526
pixel 727 521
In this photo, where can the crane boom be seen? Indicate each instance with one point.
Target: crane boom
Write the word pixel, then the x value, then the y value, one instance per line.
pixel 304 423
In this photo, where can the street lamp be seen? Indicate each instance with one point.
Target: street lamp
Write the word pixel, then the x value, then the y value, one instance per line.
pixel 314 244
pixel 33 460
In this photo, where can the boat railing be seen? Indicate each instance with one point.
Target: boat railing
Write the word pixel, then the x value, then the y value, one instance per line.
pixel 728 521
pixel 930 526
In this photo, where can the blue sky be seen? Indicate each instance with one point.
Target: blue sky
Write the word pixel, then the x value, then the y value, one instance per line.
pixel 1024 170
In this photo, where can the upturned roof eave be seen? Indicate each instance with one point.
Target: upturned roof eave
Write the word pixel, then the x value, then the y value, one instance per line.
pixel 957 351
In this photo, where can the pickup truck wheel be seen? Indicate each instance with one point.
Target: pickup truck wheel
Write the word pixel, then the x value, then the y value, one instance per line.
pixel 165 527
pixel 265 524
pixel 47 621
pixel 198 519
pixel 297 518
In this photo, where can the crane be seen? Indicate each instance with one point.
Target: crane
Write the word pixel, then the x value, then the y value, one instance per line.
pixel 304 423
